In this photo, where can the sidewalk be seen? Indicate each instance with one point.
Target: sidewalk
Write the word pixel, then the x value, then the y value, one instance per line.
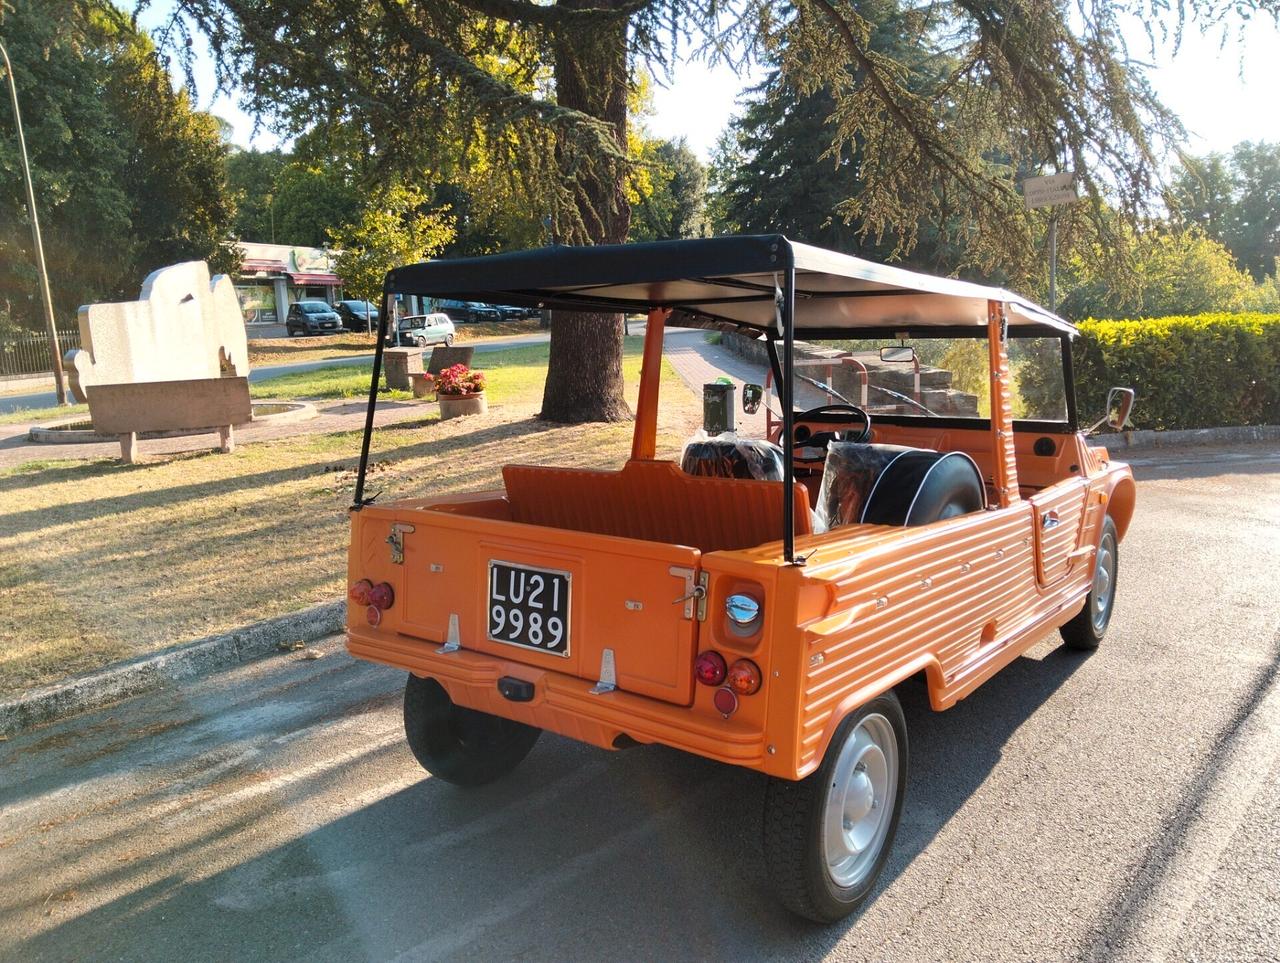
pixel 336 415
pixel 699 363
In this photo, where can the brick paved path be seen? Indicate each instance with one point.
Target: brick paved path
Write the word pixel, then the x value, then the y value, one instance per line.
pixel 340 415
pixel 699 363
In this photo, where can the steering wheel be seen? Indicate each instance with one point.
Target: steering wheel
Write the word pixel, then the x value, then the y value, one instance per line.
pixel 802 436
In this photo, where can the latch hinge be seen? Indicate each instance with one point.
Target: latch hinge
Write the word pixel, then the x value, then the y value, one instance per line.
pixel 396 541
pixel 695 592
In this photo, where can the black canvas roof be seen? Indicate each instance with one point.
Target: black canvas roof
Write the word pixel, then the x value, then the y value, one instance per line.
pixel 721 280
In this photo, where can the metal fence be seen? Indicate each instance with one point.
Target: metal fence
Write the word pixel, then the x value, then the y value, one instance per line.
pixel 30 354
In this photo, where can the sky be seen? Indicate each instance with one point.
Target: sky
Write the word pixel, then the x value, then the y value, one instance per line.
pixel 1224 93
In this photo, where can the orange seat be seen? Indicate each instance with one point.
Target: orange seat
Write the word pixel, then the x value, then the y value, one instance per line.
pixel 654 501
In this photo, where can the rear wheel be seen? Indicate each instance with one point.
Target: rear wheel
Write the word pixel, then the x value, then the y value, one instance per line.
pixel 460 745
pixel 826 837
pixel 1086 630
pixel 448 341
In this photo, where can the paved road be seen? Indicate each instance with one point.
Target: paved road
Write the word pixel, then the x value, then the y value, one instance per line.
pixel 1124 805
pixel 47 399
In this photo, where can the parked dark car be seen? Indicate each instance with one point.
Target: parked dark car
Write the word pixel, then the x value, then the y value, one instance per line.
pixel 468 311
pixel 425 329
pixel 511 313
pixel 353 315
pixel 312 317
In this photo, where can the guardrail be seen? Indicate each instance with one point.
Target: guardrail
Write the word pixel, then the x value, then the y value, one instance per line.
pixel 29 353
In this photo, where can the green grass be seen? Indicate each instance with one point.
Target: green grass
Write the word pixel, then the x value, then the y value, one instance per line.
pixel 101 561
pixel 36 415
pixel 512 374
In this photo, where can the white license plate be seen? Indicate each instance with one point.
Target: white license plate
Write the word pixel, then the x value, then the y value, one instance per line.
pixel 529 607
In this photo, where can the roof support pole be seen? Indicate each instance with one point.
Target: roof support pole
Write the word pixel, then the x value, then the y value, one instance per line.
pixel 644 440
pixel 1004 467
pixel 788 415
pixel 359 501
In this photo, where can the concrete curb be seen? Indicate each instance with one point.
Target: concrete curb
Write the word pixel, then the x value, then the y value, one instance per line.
pixel 1236 435
pixel 96 689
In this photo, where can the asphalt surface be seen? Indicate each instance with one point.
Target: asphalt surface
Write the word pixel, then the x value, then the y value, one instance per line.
pixel 47 399
pixel 1122 805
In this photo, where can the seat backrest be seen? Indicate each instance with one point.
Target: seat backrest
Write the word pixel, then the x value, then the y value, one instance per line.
pixel 730 457
pixel 654 501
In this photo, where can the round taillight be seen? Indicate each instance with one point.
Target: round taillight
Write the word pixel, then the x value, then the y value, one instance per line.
pixel 709 668
pixel 744 677
pixel 381 595
pixel 359 592
pixel 726 702
pixel 373 614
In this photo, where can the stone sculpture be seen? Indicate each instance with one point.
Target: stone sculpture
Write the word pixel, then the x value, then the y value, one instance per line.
pixel 177 359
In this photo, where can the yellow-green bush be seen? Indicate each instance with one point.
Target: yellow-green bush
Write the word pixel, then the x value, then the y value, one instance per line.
pixel 1195 371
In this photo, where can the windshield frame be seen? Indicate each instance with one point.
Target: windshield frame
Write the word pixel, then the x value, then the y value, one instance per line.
pixel 1014 332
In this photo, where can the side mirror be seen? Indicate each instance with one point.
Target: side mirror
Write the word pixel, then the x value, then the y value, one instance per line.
pixel 898 354
pixel 752 395
pixel 1119 407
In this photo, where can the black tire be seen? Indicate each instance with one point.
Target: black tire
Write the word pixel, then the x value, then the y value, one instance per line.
pixel 420 341
pixel 1087 629
pixel 291 332
pixel 460 745
pixel 794 814
pixel 448 341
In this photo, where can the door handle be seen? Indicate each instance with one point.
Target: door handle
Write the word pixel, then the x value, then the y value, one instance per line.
pixel 1049 520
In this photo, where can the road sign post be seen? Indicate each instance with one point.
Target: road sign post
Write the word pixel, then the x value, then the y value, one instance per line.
pixel 1051 191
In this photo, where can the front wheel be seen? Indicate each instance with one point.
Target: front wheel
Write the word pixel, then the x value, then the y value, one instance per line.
pixel 459 745
pixel 826 837
pixel 420 341
pixel 1086 630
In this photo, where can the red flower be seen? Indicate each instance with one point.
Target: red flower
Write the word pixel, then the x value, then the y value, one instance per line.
pixel 459 380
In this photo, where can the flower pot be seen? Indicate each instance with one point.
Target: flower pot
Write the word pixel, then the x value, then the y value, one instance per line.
pixel 453 406
pixel 424 386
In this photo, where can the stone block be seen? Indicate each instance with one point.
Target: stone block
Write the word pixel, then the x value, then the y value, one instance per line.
pixel 398 364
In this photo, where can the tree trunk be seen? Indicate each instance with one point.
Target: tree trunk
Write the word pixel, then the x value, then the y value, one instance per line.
pixel 584 374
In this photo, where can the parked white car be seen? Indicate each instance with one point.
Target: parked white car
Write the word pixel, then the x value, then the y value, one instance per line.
pixel 425 329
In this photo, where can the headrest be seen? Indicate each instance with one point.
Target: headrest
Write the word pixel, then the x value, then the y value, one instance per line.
pixel 728 456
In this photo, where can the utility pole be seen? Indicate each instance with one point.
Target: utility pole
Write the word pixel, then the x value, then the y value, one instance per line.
pixel 35 234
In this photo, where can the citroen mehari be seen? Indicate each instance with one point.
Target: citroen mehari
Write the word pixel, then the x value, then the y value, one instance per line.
pixel 924 505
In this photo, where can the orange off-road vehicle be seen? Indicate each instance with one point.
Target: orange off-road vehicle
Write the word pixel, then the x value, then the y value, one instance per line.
pixel 928 507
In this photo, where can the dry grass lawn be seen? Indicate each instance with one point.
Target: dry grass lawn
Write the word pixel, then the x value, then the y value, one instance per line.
pixel 101 561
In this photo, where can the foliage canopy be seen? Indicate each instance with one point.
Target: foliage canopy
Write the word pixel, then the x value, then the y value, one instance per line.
pixel 128 175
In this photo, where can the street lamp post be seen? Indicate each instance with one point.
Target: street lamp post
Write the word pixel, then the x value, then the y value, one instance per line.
pixel 35 233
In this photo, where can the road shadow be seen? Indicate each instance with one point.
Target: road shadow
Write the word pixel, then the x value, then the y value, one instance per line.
pixel 578 854
pixel 1178 464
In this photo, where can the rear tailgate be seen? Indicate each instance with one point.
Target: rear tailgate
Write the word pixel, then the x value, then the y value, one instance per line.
pixel 622 595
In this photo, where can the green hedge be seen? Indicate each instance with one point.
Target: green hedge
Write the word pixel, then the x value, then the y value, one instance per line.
pixel 1199 371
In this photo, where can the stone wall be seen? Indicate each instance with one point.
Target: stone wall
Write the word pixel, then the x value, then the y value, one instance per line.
pixel 936 392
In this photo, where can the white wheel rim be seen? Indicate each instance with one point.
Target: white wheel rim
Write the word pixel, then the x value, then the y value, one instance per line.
pixel 1104 582
pixel 860 801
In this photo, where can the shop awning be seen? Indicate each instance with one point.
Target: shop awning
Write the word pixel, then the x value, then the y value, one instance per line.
pixel 253 265
pixel 324 280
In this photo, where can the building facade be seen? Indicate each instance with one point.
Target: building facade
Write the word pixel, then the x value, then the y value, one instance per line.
pixel 274 276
